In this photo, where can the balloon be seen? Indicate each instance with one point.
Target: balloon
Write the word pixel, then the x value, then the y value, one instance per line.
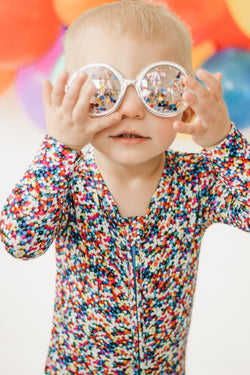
pixel 6 78
pixel 27 28
pixel 201 52
pixel 227 33
pixel 234 64
pixel 29 83
pixel 240 11
pixel 69 10
pixel 201 16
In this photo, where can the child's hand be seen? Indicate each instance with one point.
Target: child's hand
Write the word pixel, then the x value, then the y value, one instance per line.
pixel 67 115
pixel 212 122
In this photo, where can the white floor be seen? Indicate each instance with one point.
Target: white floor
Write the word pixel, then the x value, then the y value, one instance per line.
pixel 219 340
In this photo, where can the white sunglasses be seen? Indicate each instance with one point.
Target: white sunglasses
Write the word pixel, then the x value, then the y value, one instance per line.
pixel 159 87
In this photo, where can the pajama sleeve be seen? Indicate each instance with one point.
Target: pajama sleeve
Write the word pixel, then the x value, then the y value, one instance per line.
pixel 37 205
pixel 227 197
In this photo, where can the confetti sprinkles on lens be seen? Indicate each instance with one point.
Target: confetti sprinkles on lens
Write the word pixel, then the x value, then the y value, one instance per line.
pixel 161 92
pixel 159 87
pixel 124 286
pixel 108 90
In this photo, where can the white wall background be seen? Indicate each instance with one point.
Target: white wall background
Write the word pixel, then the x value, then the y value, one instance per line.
pixel 219 340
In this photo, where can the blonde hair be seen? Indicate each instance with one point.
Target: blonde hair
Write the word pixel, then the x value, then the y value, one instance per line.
pixel 146 21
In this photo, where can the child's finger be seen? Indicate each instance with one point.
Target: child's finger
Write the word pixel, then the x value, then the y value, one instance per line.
pixel 105 122
pixel 47 90
pixel 218 76
pixel 197 89
pixel 213 82
pixel 204 100
pixel 201 106
pixel 198 97
pixel 194 128
pixel 82 105
pixel 59 89
pixel 73 92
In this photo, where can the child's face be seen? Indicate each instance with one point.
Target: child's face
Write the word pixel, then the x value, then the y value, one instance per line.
pixel 152 134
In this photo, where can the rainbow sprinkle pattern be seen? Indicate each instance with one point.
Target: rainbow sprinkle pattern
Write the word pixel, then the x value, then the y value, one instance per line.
pixel 160 89
pixel 124 286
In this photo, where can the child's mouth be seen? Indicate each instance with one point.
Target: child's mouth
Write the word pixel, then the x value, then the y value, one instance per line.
pixel 129 136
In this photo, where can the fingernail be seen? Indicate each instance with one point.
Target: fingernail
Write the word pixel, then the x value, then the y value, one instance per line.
pixel 82 74
pixel 90 87
pixel 62 73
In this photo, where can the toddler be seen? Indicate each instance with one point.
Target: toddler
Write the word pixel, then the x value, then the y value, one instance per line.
pixel 127 215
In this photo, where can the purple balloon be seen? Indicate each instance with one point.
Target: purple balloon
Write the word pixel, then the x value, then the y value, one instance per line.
pixel 29 83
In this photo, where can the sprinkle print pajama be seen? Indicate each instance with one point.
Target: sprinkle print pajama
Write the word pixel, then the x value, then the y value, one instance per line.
pixel 124 286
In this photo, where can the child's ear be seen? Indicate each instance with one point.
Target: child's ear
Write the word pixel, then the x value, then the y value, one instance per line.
pixel 188 115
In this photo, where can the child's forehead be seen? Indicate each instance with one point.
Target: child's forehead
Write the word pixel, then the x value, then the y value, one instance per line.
pixel 98 46
pixel 106 31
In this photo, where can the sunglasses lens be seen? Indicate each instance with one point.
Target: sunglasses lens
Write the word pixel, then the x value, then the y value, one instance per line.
pixel 162 89
pixel 108 90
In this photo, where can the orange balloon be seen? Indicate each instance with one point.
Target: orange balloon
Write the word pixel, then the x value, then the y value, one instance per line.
pixel 228 34
pixel 27 28
pixel 200 16
pixel 69 10
pixel 6 78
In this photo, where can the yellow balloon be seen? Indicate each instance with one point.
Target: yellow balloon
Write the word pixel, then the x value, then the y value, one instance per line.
pixel 201 52
pixel 240 11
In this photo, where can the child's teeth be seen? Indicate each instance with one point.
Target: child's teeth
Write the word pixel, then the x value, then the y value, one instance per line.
pixel 129 136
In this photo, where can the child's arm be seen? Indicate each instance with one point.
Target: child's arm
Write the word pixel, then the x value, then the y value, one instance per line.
pixel 227 197
pixel 36 208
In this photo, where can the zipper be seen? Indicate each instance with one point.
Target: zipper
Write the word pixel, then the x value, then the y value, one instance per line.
pixel 133 248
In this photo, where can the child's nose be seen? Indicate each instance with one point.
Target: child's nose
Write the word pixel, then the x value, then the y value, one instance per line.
pixel 131 106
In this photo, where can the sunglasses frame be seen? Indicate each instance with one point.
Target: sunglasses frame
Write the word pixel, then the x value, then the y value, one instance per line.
pixel 125 83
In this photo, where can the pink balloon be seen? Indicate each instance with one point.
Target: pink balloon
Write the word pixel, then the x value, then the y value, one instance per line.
pixel 29 83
